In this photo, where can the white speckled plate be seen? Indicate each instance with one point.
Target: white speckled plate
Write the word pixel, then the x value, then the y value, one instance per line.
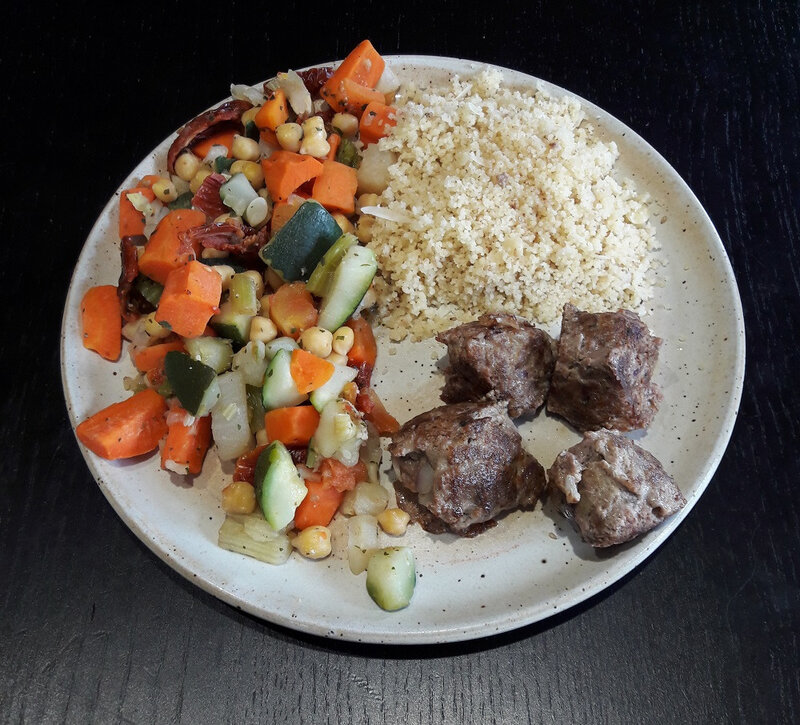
pixel 531 565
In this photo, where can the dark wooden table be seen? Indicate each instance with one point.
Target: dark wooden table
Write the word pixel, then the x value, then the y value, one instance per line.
pixel 95 628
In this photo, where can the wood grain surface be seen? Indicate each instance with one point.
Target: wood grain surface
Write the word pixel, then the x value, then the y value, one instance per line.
pixel 96 629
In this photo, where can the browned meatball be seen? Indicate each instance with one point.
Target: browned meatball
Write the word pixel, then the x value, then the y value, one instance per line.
pixel 498 357
pixel 613 489
pixel 458 466
pixel 602 376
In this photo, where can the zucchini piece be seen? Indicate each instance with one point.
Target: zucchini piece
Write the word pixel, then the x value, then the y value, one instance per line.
pixel 280 390
pixel 149 289
pixel 391 577
pixel 279 487
pixel 230 426
pixel 351 280
pixel 313 459
pixel 236 193
pixel 255 408
pixel 251 535
pixel 242 294
pixel 183 201
pixel 323 273
pixel 194 383
pixel 280 343
pixel 216 352
pixel 347 153
pixel 235 326
pixel 222 164
pixel 300 243
pixel 332 389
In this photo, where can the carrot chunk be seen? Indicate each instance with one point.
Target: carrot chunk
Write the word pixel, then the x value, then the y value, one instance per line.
pixel 362 67
pixel 274 112
pixel 186 445
pixel 102 321
pixel 319 505
pixel 285 172
pixel 131 221
pixel 335 188
pixel 343 478
pixel 221 138
pixel 291 426
pixel 308 371
pixel 126 429
pixel 352 97
pixel 164 250
pixel 376 121
pixel 292 309
pixel 148 358
pixel 191 295
pixel 365 349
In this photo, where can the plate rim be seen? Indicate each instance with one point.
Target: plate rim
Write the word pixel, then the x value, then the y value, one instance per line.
pixel 476 631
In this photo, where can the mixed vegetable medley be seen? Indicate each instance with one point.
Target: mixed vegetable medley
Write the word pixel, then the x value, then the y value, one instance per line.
pixel 242 285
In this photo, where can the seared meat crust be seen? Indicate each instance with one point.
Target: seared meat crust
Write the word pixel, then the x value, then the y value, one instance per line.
pixel 458 466
pixel 613 489
pixel 498 357
pixel 603 371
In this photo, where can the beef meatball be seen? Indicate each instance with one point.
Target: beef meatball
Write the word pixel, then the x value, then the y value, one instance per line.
pixel 458 466
pixel 498 357
pixel 603 371
pixel 613 489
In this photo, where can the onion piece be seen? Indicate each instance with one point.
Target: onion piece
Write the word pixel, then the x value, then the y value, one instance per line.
pixel 382 212
pixel 296 93
pixel 242 92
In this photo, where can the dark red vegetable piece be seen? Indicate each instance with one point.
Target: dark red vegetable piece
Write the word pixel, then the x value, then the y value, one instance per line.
pixel 207 198
pixel 208 122
pixel 314 78
pixel 241 241
pixel 130 270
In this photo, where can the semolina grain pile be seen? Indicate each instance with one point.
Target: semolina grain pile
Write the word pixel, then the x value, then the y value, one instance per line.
pixel 504 200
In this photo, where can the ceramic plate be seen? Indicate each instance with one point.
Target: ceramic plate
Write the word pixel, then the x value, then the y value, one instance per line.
pixel 530 566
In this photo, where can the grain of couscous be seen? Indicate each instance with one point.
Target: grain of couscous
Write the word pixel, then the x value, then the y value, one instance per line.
pixel 504 200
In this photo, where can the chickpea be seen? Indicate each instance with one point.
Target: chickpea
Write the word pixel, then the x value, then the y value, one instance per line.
pixel 317 340
pixel 244 148
pixel 343 340
pixel 290 136
pixel 262 329
pixel 187 165
pixel 239 497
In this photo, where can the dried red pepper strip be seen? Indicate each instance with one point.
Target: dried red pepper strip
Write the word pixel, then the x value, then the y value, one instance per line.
pixel 203 125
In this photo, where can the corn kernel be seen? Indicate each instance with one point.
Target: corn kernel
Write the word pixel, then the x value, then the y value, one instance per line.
pixel 250 115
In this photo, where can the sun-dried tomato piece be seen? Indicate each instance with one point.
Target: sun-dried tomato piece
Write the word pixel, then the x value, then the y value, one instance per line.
pixel 226 115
